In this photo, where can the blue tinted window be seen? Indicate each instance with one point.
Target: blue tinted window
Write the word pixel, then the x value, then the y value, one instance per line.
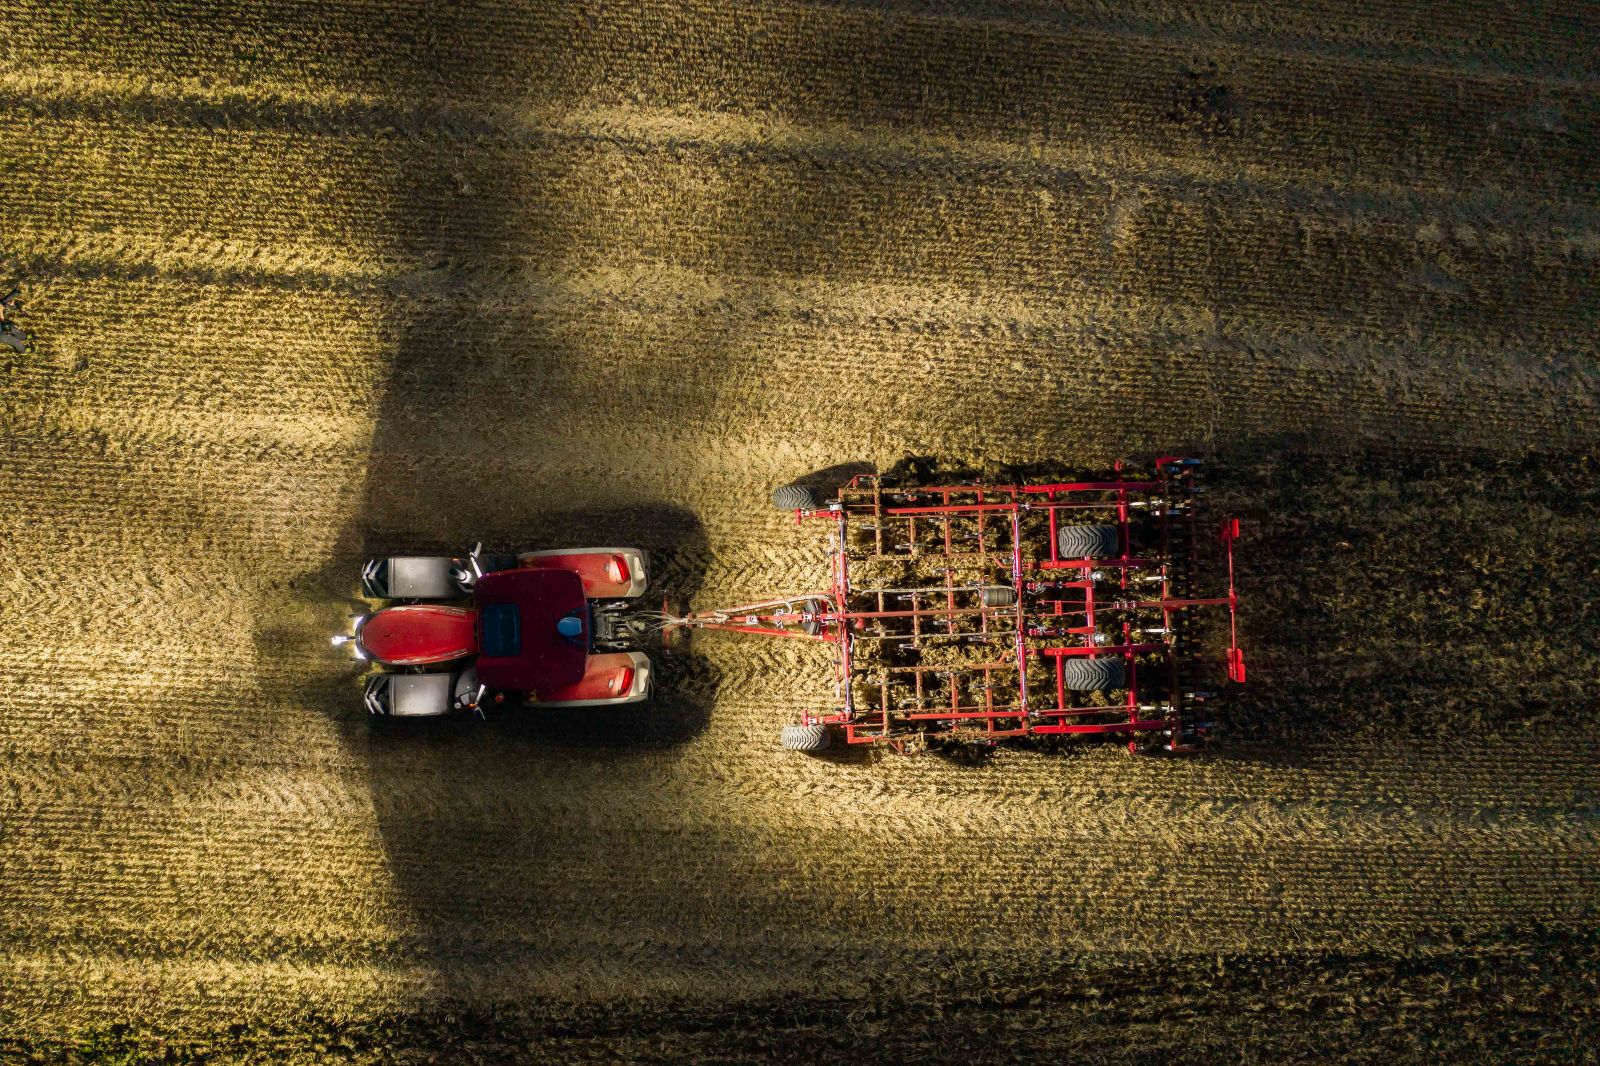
pixel 502 635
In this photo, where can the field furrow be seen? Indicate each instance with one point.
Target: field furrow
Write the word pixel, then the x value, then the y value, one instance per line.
pixel 314 283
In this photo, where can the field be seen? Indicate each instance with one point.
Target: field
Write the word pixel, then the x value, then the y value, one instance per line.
pixel 313 282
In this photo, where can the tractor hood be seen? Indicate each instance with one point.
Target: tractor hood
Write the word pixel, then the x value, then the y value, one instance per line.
pixel 419 634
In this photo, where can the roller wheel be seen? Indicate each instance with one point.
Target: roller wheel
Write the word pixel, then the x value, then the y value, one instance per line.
pixel 997 596
pixel 1086 542
pixel 804 737
pixel 1093 675
pixel 791 497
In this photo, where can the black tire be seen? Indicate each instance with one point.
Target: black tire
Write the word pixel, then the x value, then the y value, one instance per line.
pixel 804 737
pixel 791 497
pixel 997 596
pixel 1087 542
pixel 1093 675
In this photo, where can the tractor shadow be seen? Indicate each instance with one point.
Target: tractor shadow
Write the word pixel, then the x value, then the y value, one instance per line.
pixel 463 806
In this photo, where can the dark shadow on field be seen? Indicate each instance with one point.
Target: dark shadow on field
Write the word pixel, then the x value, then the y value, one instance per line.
pixel 825 482
pixel 449 792
pixel 1383 593
pixel 1473 991
pixel 468 809
pixel 493 426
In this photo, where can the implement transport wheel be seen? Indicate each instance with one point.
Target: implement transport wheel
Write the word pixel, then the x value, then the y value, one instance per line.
pixel 804 737
pixel 1093 675
pixel 997 596
pixel 1086 542
pixel 792 497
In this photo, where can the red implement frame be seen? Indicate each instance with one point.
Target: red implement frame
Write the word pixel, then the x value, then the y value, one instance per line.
pixel 1011 680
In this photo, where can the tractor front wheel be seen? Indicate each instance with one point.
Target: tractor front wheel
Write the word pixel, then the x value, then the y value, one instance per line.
pixel 804 737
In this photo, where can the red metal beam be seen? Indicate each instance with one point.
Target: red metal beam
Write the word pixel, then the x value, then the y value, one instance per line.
pixel 1092 486
pixel 1143 725
pixel 952 508
pixel 1092 564
pixel 1108 649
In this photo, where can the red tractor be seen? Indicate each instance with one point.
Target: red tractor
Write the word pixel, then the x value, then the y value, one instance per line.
pixel 550 628
pixel 979 612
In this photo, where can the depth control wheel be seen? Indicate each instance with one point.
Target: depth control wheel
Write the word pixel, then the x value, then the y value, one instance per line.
pixel 794 497
pixel 1086 542
pixel 1093 675
pixel 804 737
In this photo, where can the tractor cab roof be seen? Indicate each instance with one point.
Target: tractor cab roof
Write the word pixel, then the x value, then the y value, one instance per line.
pixel 521 647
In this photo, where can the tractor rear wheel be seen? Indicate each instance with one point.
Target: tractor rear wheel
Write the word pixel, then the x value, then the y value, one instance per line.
pixel 1093 675
pixel 997 596
pixel 793 497
pixel 804 737
pixel 1087 542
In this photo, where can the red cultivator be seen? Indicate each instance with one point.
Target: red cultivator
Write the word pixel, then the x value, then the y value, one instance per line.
pixel 982 612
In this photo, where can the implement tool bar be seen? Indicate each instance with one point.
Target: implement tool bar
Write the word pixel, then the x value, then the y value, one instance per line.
pixel 1143 725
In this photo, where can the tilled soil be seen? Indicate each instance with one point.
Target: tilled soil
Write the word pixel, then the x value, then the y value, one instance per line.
pixel 315 283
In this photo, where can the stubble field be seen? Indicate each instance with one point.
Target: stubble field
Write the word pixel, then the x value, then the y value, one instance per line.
pixel 316 282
